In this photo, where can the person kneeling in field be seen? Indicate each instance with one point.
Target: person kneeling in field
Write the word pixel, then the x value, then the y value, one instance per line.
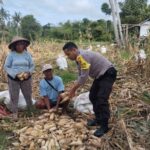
pixel 51 88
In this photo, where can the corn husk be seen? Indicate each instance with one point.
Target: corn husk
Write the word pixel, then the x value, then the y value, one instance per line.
pixel 127 102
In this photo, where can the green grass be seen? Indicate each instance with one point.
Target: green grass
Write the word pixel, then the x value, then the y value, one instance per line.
pixel 125 55
pixel 125 111
pixel 3 140
pixel 146 97
pixel 31 113
pixel 66 75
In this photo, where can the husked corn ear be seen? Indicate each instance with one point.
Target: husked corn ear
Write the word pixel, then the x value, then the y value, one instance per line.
pixel 65 99
pixel 63 95
pixel 20 75
pixel 25 75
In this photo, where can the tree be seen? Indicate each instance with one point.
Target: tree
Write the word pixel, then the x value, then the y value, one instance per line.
pixel 116 19
pixel 16 21
pixel 76 30
pixel 30 28
pixel 4 16
pixel 67 30
pixel 106 9
pixel 105 30
pixel 134 11
pixel 86 21
pixel 46 32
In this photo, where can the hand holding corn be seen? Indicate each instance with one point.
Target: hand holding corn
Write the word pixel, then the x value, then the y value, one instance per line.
pixel 22 76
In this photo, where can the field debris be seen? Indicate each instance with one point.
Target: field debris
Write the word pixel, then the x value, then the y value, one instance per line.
pixel 129 104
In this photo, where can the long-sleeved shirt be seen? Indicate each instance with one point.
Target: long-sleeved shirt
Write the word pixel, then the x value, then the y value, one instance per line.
pixel 91 64
pixel 47 90
pixel 16 63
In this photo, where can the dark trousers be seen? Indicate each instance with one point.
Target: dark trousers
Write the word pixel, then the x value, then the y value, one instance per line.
pixel 99 95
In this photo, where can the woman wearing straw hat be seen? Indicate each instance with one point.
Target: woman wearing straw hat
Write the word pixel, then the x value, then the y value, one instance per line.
pixel 19 67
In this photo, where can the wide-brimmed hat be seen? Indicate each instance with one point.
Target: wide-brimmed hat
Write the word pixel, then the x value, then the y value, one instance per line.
pixel 47 67
pixel 18 39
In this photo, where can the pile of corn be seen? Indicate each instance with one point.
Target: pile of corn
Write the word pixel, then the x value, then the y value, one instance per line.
pixel 55 131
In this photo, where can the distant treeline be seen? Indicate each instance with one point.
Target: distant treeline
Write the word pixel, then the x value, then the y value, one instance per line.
pixel 30 28
pixel 131 11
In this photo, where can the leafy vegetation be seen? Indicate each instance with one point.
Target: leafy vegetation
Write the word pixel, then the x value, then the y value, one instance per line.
pixel 131 12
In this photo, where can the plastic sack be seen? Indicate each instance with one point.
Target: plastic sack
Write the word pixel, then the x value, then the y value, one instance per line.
pixel 62 62
pixel 83 104
pixel 4 97
pixel 141 55
pixel 103 50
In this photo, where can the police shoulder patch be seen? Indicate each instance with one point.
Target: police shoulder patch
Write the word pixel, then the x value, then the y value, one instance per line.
pixel 83 63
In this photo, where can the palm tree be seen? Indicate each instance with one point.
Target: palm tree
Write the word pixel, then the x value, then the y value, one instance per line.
pixel 4 16
pixel 16 20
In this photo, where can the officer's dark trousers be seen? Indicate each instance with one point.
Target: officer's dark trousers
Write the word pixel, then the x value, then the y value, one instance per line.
pixel 99 95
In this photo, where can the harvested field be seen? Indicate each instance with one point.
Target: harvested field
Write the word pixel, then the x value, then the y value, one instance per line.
pixel 129 103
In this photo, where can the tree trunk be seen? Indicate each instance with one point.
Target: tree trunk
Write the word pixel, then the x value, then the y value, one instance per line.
pixel 115 22
pixel 127 34
pixel 119 23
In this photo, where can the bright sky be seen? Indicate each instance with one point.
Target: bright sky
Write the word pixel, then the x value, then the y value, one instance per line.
pixel 56 11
